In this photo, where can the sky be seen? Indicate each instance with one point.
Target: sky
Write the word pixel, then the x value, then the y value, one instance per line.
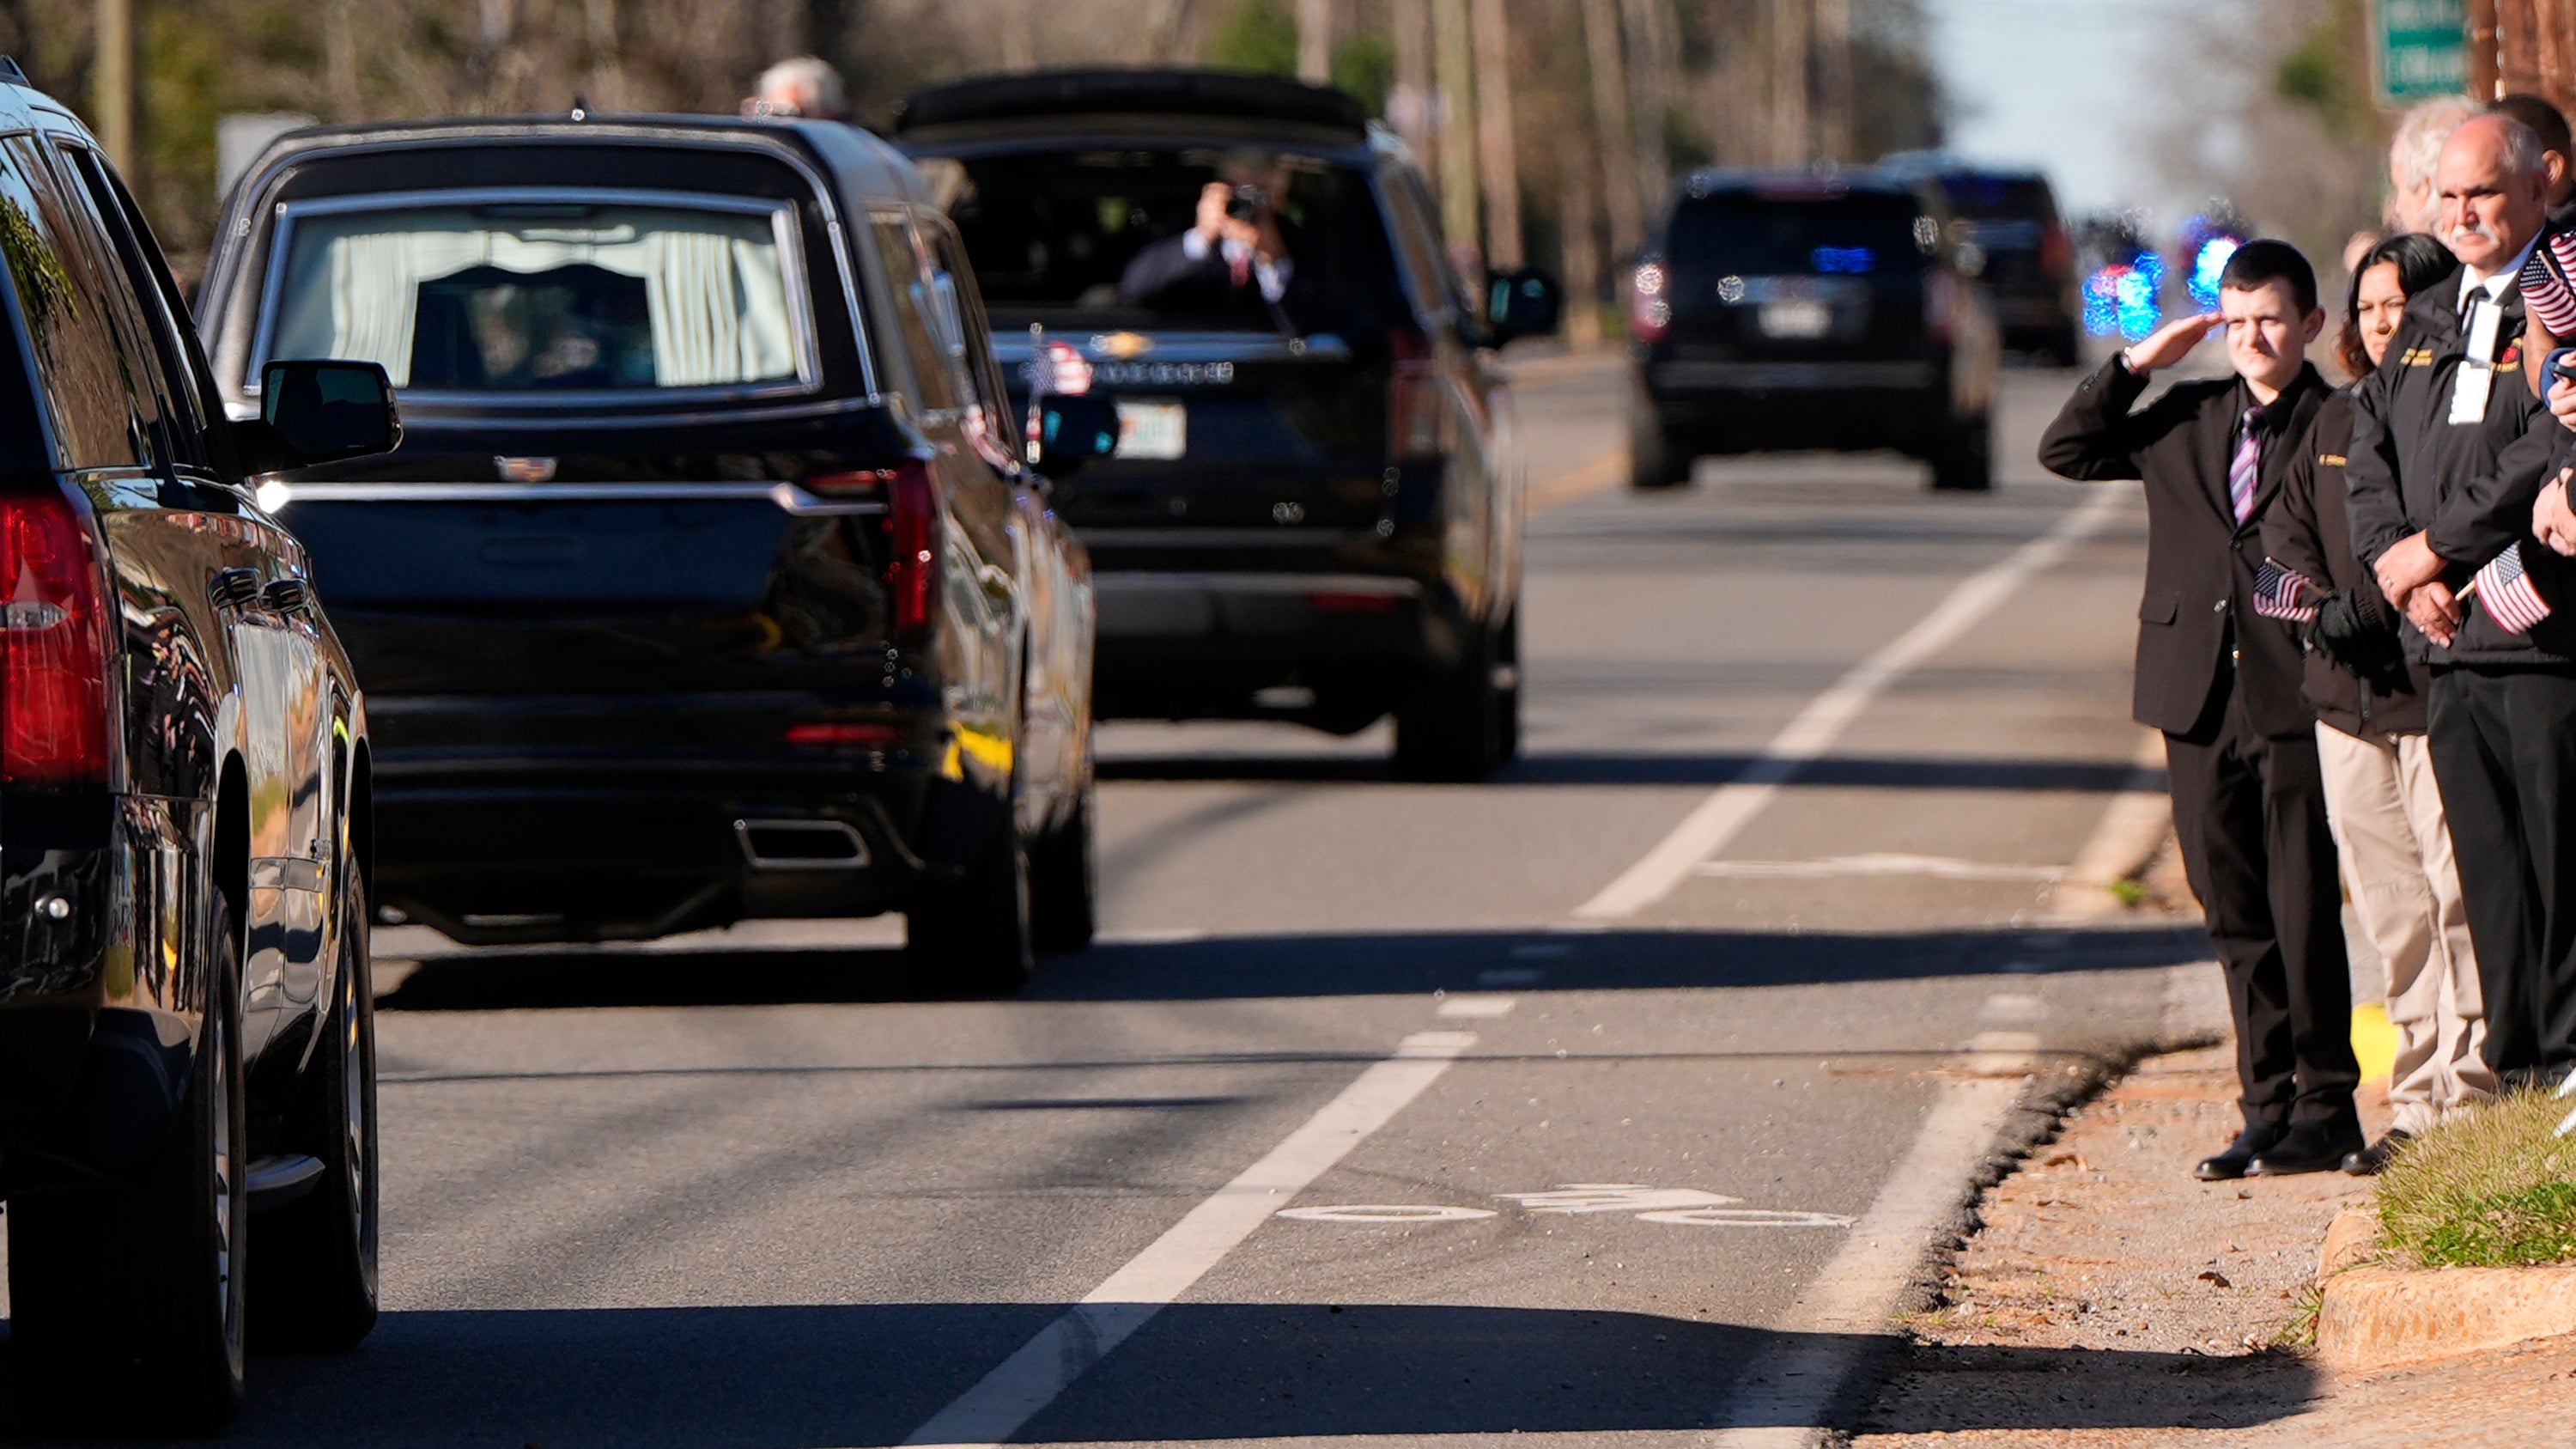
pixel 2069 86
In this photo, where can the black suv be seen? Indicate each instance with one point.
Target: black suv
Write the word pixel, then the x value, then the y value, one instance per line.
pixel 1315 512
pixel 1798 310
pixel 711 581
pixel 2008 224
pixel 187 1048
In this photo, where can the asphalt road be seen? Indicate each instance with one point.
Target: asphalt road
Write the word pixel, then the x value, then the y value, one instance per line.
pixel 739 1190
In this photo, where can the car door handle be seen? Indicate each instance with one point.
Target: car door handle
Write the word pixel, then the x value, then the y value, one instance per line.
pixel 234 588
pixel 287 595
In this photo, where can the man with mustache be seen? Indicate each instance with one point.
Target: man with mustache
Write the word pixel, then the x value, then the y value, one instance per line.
pixel 2449 450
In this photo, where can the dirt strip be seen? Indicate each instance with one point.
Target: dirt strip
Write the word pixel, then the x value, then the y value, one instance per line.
pixel 2112 1300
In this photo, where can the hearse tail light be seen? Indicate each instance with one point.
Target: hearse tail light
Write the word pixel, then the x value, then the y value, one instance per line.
pixel 54 633
pixel 912 547
pixel 1650 309
pixel 1413 396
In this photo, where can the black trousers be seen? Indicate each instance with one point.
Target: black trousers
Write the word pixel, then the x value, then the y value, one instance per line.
pixel 2504 752
pixel 2250 815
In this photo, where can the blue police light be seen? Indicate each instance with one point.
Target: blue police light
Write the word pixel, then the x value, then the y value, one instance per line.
pixel 1843 259
pixel 2206 265
pixel 2141 297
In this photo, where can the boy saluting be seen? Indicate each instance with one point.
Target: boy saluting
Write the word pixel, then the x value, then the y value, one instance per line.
pixel 2222 683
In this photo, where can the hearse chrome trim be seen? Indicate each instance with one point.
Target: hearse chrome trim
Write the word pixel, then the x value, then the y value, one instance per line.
pixel 1149 581
pixel 786 495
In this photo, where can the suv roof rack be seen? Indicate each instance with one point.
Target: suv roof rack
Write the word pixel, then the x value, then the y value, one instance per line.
pixel 1131 93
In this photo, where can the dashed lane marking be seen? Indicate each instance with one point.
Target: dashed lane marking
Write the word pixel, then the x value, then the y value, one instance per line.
pixel 1938 866
pixel 1065 1350
pixel 1720 817
pixel 1362 1212
pixel 1477 1006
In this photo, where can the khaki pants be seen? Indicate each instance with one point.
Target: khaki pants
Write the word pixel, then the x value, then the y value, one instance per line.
pixel 2396 850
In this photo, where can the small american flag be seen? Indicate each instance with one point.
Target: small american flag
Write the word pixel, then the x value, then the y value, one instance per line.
pixel 2511 599
pixel 2546 283
pixel 2281 593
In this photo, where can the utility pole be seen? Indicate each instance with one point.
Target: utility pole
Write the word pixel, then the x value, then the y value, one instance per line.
pixel 1454 57
pixel 1581 166
pixel 1792 136
pixel 1608 52
pixel 1315 41
pixel 114 93
pixel 2485 68
pixel 1495 140
pixel 1651 53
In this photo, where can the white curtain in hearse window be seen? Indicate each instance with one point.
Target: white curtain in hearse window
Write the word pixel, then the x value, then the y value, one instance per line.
pixel 541 303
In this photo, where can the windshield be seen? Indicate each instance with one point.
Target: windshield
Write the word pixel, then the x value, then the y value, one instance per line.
pixel 1105 239
pixel 1854 235
pixel 1999 198
pixel 541 296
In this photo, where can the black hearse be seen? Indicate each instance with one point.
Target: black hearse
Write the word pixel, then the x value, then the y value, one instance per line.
pixel 1316 508
pixel 710 581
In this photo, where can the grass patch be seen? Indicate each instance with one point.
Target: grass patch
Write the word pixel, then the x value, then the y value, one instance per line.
pixel 2489 1189
pixel 2130 893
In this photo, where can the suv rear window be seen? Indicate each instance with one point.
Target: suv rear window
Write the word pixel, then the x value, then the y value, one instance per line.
pixel 558 294
pixel 1999 198
pixel 1762 236
pixel 1052 236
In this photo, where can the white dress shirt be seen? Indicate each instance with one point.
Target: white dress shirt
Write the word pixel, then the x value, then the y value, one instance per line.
pixel 1272 276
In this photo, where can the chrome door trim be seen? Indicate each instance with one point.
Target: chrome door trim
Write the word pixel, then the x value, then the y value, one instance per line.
pixel 276 496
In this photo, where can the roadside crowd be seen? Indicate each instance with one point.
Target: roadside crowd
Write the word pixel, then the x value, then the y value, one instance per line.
pixel 2358 635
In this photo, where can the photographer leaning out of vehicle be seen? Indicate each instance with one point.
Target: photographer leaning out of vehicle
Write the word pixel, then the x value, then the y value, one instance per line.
pixel 1234 267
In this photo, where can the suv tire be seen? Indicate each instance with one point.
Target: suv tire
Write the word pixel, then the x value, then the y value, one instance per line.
pixel 317 1254
pixel 973 938
pixel 1963 457
pixel 1657 460
pixel 1452 730
pixel 1064 876
pixel 127 1300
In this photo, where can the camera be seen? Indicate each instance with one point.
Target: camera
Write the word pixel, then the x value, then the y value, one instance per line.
pixel 2559 366
pixel 1248 203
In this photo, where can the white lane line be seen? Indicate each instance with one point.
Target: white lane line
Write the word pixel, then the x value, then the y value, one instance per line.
pixel 1731 806
pixel 2132 827
pixel 1783 1398
pixel 1941 867
pixel 1064 1350
pixel 1478 1006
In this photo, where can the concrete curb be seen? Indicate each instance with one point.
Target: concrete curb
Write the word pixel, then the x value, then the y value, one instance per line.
pixel 2374 1318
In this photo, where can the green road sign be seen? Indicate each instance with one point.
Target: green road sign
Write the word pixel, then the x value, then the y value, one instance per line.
pixel 2423 48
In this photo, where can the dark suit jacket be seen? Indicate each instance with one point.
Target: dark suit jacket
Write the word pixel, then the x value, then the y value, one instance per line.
pixel 1204 293
pixel 2200 560
pixel 2308 530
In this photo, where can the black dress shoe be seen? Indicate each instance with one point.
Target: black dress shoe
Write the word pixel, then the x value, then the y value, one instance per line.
pixel 2369 1160
pixel 2240 1154
pixel 2306 1149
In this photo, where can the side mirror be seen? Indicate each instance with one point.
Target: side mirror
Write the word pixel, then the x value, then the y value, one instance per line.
pixel 1525 303
pixel 1071 429
pixel 320 412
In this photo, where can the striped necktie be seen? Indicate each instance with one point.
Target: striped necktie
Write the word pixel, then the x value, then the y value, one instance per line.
pixel 2247 470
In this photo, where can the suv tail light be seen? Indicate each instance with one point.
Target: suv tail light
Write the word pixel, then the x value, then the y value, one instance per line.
pixel 1413 397
pixel 54 634
pixel 1650 311
pixel 911 534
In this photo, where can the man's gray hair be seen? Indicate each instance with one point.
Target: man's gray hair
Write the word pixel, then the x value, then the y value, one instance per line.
pixel 2524 156
pixel 2415 153
pixel 802 85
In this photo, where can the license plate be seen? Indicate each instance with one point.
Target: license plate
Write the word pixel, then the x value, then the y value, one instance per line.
pixel 1796 318
pixel 1152 428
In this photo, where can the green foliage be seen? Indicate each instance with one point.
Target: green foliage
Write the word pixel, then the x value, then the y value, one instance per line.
pixel 2329 75
pixel 2492 1188
pixel 1260 37
pixel 1364 65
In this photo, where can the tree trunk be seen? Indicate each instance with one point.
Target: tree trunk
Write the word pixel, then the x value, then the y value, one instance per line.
pixel 115 99
pixel 1834 139
pixel 1792 136
pixel 1607 50
pixel 1315 41
pixel 1460 215
pixel 1655 65
pixel 1580 257
pixel 1495 141
pixel 1411 108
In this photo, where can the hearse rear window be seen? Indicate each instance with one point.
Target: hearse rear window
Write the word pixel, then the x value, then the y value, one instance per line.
pixel 543 294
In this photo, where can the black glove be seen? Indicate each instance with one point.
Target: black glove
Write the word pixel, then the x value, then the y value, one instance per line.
pixel 2363 645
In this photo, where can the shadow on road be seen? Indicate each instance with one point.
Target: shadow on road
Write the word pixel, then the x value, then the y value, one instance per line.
pixel 1323 964
pixel 777 1377
pixel 1886 773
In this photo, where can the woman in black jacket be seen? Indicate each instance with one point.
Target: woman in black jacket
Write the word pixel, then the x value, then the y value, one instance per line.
pixel 2389 827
